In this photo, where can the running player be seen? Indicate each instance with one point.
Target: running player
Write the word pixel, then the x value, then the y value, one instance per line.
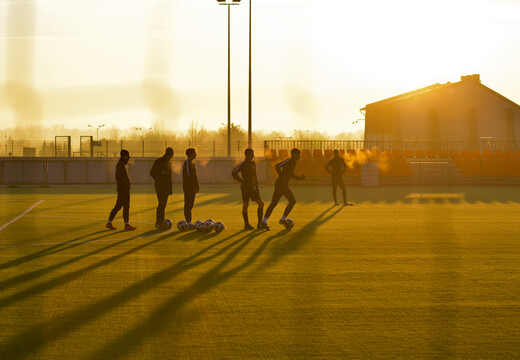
pixel 285 171
pixel 249 187
pixel 123 192
pixel 337 167
pixel 161 172
pixel 190 184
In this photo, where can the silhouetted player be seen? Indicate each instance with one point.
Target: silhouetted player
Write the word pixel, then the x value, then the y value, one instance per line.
pixel 190 183
pixel 161 172
pixel 123 192
pixel 249 187
pixel 285 171
pixel 337 167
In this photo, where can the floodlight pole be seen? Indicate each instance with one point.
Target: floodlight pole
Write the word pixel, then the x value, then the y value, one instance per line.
pixel 249 102
pixel 228 3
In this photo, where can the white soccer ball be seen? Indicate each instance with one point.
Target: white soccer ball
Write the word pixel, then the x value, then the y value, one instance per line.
pixel 198 225
pixel 182 225
pixel 290 223
pixel 167 223
pixel 211 221
pixel 218 226
pixel 207 226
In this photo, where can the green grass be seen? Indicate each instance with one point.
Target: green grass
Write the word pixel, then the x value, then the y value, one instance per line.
pixel 409 272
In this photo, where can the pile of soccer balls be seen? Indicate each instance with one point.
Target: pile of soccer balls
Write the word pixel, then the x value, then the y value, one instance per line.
pixel 202 226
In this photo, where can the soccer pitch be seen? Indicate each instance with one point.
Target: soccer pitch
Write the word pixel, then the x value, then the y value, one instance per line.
pixel 408 272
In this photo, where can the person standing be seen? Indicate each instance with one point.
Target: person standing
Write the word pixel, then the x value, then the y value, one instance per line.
pixel 190 184
pixel 249 187
pixel 123 192
pixel 285 170
pixel 161 172
pixel 337 167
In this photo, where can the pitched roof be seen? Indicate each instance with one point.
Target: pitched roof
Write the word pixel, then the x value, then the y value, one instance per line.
pixel 435 87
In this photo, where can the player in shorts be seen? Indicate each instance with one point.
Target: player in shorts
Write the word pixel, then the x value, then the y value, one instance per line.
pixel 249 187
pixel 285 171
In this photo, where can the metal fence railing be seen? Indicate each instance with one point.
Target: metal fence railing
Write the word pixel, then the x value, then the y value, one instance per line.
pixel 218 148
pixel 111 148
pixel 311 145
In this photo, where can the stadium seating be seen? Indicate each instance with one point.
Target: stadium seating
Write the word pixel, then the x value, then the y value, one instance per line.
pixel 430 154
pixel 442 153
pixel 283 154
pixel 408 153
pixel 419 153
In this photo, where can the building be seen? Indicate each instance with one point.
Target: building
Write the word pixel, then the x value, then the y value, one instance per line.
pixel 462 111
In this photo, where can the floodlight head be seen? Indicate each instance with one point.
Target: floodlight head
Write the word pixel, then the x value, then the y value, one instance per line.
pixel 228 2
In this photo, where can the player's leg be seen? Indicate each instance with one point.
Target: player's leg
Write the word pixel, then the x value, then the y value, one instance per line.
pixel 126 212
pixel 277 195
pixel 259 211
pixel 246 194
pixel 343 191
pixel 162 198
pixel 113 213
pixel 334 182
pixel 289 196
pixel 189 201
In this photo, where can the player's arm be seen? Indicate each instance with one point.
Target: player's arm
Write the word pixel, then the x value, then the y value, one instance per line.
pixel 279 167
pixel 153 170
pixel 235 172
pixel 327 166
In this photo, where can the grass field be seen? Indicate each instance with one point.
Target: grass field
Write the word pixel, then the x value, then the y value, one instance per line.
pixel 409 272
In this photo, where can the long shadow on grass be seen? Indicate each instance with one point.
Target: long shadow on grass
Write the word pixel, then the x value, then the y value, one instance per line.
pixel 36 337
pixel 299 238
pixel 155 323
pixel 66 278
pixel 48 250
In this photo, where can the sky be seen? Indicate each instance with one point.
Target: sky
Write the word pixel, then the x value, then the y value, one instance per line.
pixel 131 63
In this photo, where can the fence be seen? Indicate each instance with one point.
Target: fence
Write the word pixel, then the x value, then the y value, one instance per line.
pixel 217 148
pixel 86 147
pixel 322 145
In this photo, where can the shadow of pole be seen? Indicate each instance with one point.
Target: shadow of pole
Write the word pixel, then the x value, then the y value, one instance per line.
pixel 34 338
pixel 135 337
pixel 66 278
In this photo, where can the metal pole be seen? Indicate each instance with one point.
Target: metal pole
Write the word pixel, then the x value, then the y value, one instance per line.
pixel 249 117
pixel 229 85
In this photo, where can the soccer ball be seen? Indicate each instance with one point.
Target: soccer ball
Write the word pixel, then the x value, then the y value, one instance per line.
pixel 167 223
pixel 218 226
pixel 290 223
pixel 182 225
pixel 191 226
pixel 210 221
pixel 198 225
pixel 207 226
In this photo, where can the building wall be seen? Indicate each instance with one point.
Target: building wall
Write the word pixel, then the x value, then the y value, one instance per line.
pixel 465 111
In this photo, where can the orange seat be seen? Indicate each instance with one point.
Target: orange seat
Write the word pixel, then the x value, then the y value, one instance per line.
pixel 396 153
pixel 317 154
pixel 329 154
pixel 408 153
pixel 465 154
pixel 475 154
pixel 454 154
pixel 306 154
pixel 430 153
pixel 271 154
pixel 419 153
pixel 498 154
pixel 442 153
pixel 486 153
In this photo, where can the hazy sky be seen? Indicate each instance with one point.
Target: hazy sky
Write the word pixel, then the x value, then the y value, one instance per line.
pixel 315 63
